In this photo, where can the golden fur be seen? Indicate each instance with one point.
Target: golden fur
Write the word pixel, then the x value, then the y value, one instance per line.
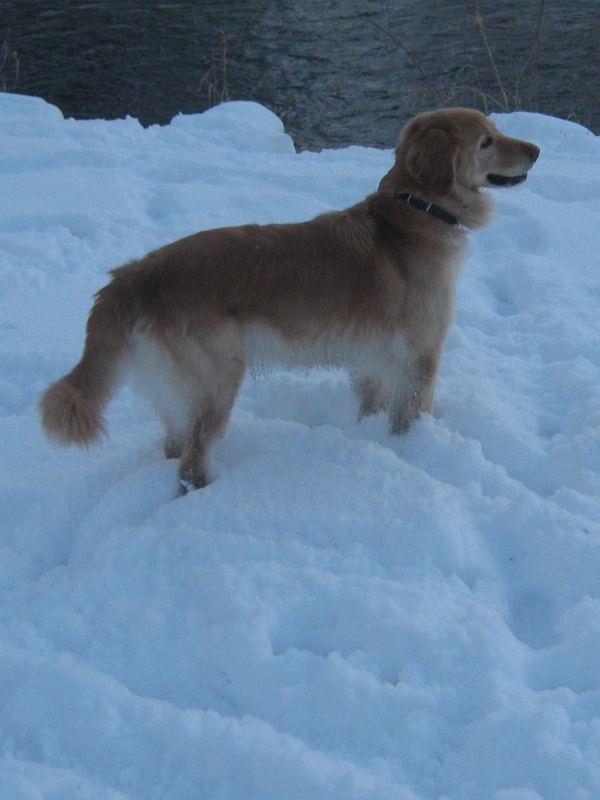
pixel 370 288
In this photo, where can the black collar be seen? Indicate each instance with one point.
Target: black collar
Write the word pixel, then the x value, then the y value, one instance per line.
pixel 430 208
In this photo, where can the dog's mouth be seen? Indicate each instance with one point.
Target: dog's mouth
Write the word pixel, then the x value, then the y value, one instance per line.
pixel 503 180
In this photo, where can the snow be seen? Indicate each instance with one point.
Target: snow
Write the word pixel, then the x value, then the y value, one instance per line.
pixel 339 614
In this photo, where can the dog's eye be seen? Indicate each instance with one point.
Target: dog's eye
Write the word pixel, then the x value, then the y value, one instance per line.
pixel 487 142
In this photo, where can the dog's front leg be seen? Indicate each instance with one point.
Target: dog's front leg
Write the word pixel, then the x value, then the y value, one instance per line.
pixel 370 392
pixel 414 391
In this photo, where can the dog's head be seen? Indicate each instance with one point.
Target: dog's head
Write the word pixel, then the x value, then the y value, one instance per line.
pixel 450 154
pixel 459 146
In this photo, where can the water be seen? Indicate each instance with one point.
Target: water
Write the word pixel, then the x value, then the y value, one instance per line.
pixel 337 72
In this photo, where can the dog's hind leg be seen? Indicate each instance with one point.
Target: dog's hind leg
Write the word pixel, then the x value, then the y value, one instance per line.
pixel 192 381
pixel 193 470
pixel 215 374
pixel 207 426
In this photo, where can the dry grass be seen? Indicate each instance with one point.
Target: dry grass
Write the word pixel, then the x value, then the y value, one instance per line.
pixel 470 84
pixel 214 82
pixel 9 68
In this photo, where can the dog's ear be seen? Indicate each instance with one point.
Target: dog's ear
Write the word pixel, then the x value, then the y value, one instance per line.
pixel 430 157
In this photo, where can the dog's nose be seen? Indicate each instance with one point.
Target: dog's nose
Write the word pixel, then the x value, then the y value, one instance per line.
pixel 532 152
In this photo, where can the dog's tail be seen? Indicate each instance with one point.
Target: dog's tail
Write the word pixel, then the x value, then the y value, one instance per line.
pixel 71 409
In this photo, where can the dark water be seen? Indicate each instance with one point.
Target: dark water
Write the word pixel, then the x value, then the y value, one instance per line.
pixel 337 72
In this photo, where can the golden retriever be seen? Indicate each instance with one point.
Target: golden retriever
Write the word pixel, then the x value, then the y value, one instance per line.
pixel 370 289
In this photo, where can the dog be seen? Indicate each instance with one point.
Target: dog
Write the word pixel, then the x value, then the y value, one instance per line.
pixel 369 289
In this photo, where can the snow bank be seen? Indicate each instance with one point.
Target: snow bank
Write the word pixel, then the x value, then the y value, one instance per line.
pixel 339 614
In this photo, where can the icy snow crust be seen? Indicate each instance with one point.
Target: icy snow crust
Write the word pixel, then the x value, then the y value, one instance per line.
pixel 340 614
